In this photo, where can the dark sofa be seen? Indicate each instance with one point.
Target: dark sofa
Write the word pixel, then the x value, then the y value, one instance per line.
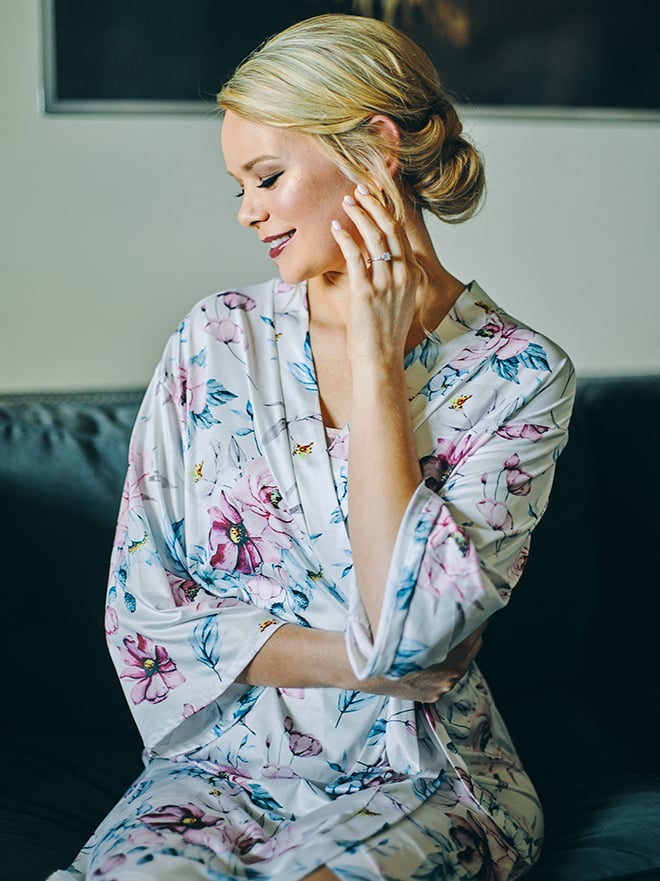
pixel 572 661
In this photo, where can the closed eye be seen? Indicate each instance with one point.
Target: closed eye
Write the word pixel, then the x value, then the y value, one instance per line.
pixel 265 184
pixel 268 182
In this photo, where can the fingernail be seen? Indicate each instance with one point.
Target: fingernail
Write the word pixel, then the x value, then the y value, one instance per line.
pixel 335 224
pixel 362 189
pixel 349 200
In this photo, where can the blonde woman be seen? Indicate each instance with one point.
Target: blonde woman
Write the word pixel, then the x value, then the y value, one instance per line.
pixel 332 484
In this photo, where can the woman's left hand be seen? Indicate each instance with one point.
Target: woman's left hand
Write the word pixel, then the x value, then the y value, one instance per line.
pixel 384 276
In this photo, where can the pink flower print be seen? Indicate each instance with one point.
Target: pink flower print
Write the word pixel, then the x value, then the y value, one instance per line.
pixel 496 514
pixel 484 853
pixel 189 388
pixel 296 693
pixel 241 538
pixel 109 865
pixel 501 339
pixel 436 468
pixel 278 771
pixel 259 492
pixel 526 430
pixel 518 482
pixel 268 591
pixel 450 562
pixel 155 672
pixel 181 819
pixel 111 620
pixel 183 590
pixel 235 300
pixel 518 566
pixel 226 331
pixel 301 745
pixel 338 447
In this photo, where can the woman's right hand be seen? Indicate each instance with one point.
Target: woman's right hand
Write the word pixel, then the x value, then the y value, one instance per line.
pixel 429 685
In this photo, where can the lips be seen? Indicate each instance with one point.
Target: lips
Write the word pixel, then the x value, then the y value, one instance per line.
pixel 278 243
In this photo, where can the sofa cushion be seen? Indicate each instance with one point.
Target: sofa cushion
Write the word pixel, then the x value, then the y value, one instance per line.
pixel 602 827
pixel 62 466
pixel 63 786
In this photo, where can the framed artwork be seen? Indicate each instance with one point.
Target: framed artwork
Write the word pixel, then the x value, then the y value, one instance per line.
pixel 595 58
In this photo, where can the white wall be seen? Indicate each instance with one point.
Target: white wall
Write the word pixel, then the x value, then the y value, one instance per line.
pixel 111 227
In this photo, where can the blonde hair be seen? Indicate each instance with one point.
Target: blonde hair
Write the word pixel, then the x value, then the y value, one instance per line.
pixel 328 76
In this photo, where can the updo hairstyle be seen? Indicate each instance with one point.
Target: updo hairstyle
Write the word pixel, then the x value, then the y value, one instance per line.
pixel 329 75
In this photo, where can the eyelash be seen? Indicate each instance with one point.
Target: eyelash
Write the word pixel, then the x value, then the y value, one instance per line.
pixel 265 184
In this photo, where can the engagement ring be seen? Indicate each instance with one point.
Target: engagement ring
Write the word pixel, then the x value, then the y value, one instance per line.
pixel 386 256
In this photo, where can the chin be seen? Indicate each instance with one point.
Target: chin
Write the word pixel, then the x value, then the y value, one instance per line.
pixel 290 276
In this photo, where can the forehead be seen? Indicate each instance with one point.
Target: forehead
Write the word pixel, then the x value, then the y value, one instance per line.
pixel 245 142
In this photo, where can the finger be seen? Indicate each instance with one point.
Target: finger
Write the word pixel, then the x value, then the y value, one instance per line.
pixel 378 233
pixel 357 268
pixel 384 220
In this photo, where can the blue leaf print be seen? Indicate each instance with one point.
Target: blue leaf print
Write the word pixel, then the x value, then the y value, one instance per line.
pixel 205 419
pixel 301 600
pixel 535 358
pixel 404 594
pixel 129 601
pixel 260 798
pixel 200 358
pixel 198 554
pixel 423 787
pixel 350 701
pixel 407 650
pixel 217 394
pixel 268 321
pixel 303 374
pixel 334 591
pixel 303 371
pixel 246 701
pixel 205 641
pixel 507 368
pixel 428 352
pixel 376 732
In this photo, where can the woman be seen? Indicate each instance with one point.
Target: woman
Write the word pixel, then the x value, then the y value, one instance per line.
pixel 296 688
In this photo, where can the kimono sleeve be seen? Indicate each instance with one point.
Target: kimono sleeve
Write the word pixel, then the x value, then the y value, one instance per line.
pixel 465 535
pixel 178 640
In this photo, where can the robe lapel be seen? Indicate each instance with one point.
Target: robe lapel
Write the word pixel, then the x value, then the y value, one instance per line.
pixel 292 434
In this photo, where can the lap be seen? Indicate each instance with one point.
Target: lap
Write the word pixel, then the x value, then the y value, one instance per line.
pixel 180 824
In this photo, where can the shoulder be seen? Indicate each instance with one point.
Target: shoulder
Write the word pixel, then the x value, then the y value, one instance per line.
pixel 223 315
pixel 493 341
pixel 485 367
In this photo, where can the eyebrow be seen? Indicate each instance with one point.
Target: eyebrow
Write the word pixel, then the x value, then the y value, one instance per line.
pixel 250 165
pixel 266 157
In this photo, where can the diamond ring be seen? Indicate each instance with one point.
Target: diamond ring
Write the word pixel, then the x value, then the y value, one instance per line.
pixel 385 256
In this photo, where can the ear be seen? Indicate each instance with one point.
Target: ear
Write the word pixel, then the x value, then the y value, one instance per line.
pixel 390 135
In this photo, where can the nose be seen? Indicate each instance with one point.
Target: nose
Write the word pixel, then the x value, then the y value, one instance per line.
pixel 251 211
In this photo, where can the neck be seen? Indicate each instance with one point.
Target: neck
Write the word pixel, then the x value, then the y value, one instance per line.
pixel 329 295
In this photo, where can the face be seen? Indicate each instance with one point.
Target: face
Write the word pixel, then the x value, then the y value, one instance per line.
pixel 290 192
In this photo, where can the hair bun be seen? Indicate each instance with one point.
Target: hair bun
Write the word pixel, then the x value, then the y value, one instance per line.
pixel 445 173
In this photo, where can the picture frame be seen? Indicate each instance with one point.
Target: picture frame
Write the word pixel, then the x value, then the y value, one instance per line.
pixel 529 58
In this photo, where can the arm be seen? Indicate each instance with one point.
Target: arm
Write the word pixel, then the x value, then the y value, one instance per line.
pixel 431 565
pixel 382 440
pixel 299 657
pixel 464 538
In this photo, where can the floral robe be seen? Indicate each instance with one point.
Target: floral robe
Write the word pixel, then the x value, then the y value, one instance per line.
pixel 234 522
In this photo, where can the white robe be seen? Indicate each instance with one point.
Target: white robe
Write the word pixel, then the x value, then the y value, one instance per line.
pixel 234 522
